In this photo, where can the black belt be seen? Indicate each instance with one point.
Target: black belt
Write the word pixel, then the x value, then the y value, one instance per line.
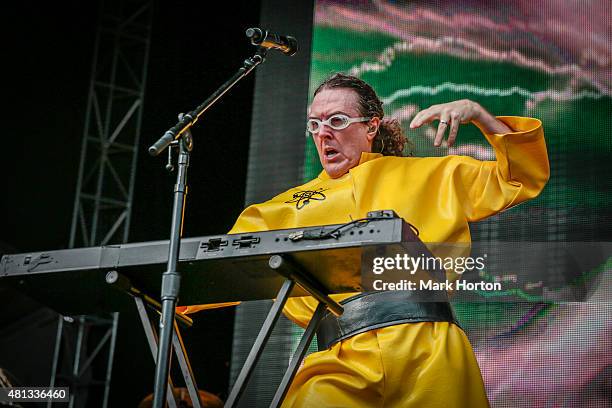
pixel 375 310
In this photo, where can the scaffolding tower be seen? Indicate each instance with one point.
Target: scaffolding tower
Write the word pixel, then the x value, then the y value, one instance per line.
pixel 84 349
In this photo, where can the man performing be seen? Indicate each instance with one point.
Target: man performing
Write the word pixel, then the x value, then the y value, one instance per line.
pixel 427 362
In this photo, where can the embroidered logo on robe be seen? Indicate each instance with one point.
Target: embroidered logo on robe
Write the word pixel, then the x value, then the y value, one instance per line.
pixel 301 198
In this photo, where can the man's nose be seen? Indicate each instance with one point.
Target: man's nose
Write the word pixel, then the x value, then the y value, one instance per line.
pixel 326 131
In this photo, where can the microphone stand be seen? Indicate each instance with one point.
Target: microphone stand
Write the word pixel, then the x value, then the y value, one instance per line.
pixel 190 118
pixel 171 278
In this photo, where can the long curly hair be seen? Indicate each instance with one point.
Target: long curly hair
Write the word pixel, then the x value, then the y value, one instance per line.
pixel 390 139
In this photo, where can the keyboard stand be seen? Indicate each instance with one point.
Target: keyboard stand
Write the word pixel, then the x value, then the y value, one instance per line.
pixel 142 302
pixel 294 274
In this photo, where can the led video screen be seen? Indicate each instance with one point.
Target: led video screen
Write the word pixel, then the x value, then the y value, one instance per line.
pixel 550 61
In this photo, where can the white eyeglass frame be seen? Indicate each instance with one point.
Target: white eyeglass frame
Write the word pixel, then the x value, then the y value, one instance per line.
pixel 347 121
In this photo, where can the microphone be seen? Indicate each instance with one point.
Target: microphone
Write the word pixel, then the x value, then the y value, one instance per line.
pixel 286 44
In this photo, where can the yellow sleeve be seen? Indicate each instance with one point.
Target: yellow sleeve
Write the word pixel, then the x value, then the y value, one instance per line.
pixel 247 222
pixel 250 220
pixel 519 173
pixel 196 308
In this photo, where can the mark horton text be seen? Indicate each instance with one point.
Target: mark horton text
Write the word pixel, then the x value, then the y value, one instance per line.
pixel 413 264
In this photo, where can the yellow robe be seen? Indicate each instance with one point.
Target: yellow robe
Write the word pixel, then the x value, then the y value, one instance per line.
pixel 429 364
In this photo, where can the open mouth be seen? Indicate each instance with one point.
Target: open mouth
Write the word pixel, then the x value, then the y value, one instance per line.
pixel 330 153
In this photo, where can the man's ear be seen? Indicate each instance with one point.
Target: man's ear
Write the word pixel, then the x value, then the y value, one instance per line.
pixel 373 126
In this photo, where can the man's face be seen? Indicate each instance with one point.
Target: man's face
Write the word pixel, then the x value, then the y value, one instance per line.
pixel 339 150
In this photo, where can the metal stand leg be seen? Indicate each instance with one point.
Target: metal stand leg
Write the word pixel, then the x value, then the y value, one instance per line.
pixel 180 351
pixel 298 355
pixel 294 274
pixel 58 341
pixel 260 342
pixel 142 299
pixel 181 356
pixel 152 339
pixel 109 366
pixel 293 270
pixel 77 356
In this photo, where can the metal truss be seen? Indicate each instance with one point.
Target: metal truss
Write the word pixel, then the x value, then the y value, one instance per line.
pixel 105 186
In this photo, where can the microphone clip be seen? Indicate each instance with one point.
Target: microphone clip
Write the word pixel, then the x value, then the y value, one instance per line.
pixel 263 38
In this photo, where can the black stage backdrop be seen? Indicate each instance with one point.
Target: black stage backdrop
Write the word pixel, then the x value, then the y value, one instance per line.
pixel 195 47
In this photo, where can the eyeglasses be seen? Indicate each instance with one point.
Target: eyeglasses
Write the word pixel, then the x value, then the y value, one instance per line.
pixel 336 122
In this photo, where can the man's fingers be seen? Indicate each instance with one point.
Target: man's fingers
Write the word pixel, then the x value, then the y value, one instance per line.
pixel 450 114
pixel 442 127
pixel 454 128
pixel 416 121
pixel 424 116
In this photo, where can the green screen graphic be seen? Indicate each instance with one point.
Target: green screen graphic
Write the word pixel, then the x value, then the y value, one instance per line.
pixel 518 59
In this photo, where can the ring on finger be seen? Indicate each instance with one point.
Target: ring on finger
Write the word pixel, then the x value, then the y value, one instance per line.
pixel 443 121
